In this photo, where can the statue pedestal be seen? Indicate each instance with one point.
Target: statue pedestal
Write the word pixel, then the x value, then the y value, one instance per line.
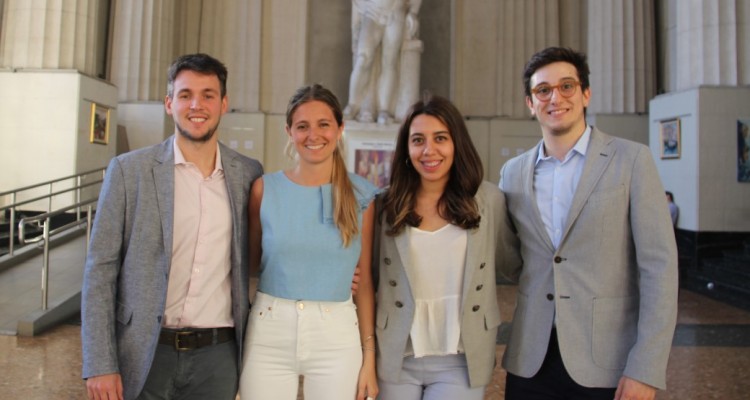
pixel 369 148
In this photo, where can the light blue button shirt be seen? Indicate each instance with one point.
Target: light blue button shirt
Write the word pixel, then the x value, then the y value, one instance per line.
pixel 555 184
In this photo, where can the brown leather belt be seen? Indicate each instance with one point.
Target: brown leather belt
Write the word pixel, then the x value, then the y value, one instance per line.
pixel 193 338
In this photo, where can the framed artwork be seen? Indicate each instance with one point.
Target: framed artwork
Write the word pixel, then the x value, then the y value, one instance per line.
pixel 99 131
pixel 370 158
pixel 669 137
pixel 743 150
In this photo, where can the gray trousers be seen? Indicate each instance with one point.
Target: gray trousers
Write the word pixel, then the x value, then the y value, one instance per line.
pixel 206 373
pixel 432 378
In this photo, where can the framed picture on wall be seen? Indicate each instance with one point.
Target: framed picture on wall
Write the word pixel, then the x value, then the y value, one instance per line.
pixel 743 150
pixel 99 131
pixel 370 158
pixel 669 137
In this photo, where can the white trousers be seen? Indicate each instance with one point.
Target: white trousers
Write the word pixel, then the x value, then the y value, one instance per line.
pixel 286 339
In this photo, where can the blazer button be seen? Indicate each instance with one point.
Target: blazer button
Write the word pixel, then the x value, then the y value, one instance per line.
pixel 392 283
pixel 475 308
pixel 558 260
pixel 550 297
pixel 479 287
pixel 481 266
pixel 387 261
pixel 399 304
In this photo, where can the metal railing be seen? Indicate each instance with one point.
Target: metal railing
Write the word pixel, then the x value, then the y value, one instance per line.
pixel 47 233
pixel 81 182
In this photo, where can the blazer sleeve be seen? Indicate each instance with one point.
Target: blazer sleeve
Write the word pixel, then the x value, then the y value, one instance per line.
pixel 98 296
pixel 508 261
pixel 656 256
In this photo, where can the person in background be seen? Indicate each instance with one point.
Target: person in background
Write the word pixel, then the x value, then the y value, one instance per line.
pixel 165 287
pixel 310 226
pixel 597 294
pixel 438 227
pixel 674 211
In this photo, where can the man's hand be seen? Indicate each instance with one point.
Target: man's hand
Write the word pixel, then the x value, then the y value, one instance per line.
pixel 355 281
pixel 631 389
pixel 104 387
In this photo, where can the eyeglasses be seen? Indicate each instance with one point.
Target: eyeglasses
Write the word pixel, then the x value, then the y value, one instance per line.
pixel 566 88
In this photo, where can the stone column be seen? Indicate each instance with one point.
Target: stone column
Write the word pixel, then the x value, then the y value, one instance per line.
pixel 713 40
pixel 621 55
pixel 50 34
pixel 525 28
pixel 142 48
pixel 231 31
pixel 284 52
pixel 493 41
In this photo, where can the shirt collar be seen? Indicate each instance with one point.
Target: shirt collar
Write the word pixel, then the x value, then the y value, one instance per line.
pixel 581 146
pixel 179 158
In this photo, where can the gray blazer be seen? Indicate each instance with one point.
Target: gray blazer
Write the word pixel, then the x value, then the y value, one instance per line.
pixel 612 282
pixel 127 268
pixel 480 315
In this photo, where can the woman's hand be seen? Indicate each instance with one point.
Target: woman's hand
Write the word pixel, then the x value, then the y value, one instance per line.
pixel 367 385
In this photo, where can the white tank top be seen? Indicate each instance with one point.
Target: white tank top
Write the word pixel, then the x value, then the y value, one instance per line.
pixel 436 278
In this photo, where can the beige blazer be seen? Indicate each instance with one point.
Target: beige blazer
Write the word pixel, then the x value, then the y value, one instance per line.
pixel 612 283
pixel 480 315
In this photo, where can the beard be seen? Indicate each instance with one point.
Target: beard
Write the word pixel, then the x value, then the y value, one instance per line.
pixel 200 138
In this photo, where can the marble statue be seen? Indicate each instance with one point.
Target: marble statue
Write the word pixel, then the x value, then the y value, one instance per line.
pixel 386 55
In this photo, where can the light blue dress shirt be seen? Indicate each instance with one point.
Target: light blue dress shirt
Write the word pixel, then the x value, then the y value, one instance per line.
pixel 555 184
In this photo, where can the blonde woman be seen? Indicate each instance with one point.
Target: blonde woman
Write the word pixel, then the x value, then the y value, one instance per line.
pixel 310 226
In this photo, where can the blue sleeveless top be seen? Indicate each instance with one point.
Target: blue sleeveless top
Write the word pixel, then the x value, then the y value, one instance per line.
pixel 303 255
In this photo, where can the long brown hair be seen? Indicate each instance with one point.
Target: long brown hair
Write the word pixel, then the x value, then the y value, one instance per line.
pixel 457 203
pixel 342 193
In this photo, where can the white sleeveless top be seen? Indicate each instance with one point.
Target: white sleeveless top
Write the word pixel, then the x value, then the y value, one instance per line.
pixel 436 278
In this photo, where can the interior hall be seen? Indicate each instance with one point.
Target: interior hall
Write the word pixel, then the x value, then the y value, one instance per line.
pixel 84 81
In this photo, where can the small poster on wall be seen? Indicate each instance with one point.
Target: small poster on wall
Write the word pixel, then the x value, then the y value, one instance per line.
pixel 99 130
pixel 669 137
pixel 743 150
pixel 371 159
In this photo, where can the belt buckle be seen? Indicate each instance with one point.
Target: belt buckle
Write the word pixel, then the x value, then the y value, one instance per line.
pixel 177 336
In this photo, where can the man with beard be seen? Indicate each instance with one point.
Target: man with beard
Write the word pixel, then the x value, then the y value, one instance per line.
pixel 165 289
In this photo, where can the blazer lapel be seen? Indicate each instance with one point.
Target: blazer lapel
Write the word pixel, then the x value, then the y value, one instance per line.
pixel 474 248
pixel 233 178
pixel 529 164
pixel 402 246
pixel 598 156
pixel 164 181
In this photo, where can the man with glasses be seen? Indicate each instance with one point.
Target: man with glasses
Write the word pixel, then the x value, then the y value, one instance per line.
pixel 597 298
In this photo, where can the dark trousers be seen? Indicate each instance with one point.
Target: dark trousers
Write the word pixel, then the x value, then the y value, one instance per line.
pixel 205 373
pixel 552 382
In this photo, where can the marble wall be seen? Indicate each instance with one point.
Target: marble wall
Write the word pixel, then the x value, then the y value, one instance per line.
pixel 46 126
pixel 474 52
pixel 704 177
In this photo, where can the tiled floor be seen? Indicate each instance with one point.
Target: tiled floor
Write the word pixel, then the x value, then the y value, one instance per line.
pixel 710 358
